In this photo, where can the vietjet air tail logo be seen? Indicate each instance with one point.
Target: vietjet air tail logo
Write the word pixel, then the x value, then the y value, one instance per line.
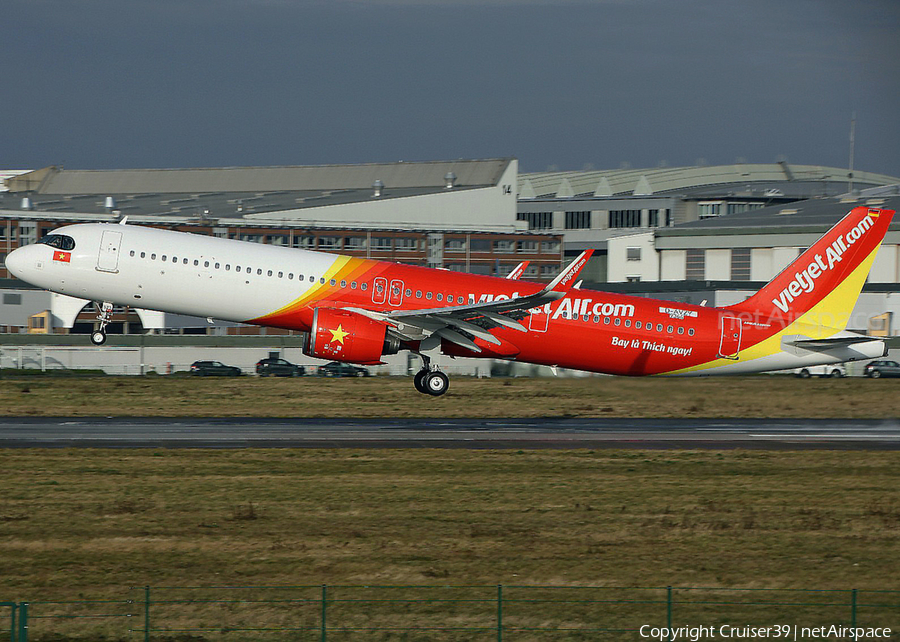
pixel 63 257
pixel 805 280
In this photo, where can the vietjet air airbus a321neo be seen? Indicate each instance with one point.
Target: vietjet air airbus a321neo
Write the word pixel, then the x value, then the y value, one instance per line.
pixel 359 310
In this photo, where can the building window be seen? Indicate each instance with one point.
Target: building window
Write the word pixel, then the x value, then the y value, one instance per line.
pixel 695 265
pixel 624 218
pixel 633 279
pixel 549 247
pixel 405 245
pixel 455 245
pixel 528 247
pixel 382 244
pixel 549 271
pixel 480 245
pixel 578 220
pixel 12 299
pixel 330 242
pixel 305 242
pixel 633 254
pixel 355 243
pixel 653 216
pixel 668 218
pixel 740 264
pixel 537 220
pixel 278 239
pixel 709 210
pixel 505 246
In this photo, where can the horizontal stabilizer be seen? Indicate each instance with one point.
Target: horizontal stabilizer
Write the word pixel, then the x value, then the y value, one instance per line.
pixel 830 344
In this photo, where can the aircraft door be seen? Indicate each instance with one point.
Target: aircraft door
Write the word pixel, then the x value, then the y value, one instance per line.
pixel 108 258
pixel 396 294
pixel 379 291
pixel 730 342
pixel 539 319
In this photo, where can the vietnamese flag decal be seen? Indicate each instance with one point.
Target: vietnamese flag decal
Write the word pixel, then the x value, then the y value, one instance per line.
pixel 65 257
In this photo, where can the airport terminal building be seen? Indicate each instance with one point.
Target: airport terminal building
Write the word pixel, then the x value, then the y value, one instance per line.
pixel 691 233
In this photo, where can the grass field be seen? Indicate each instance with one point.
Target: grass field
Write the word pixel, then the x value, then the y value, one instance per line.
pixel 754 396
pixel 86 523
pixel 89 524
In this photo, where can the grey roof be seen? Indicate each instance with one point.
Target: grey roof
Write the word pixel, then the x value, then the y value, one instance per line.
pixel 678 180
pixel 469 173
pixel 813 215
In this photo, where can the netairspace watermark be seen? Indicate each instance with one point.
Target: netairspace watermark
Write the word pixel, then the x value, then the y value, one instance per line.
pixel 782 631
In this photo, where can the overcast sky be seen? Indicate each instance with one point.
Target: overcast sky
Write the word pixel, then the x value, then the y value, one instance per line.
pixel 554 83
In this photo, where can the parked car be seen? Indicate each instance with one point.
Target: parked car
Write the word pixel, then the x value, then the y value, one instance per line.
pixel 833 370
pixel 339 369
pixel 882 368
pixel 214 369
pixel 270 367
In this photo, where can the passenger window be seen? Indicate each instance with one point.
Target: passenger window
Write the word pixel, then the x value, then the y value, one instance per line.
pixel 281 275
pixel 322 280
pixel 428 295
pixel 174 259
pixel 163 257
pixel 364 286
pixel 185 261
pixel 353 285
pixel 440 297
pixel 618 321
pixel 259 271
pixel 418 294
pixel 680 330
pixel 670 329
pixel 605 320
pixel 659 327
pixel 269 273
pixel 627 323
pixel 596 319
pixel 153 257
pixel 637 324
pixel 290 276
pixel 196 263
pixel 408 292
pixel 343 284
pixel 217 266
pixel 691 332
pixel 206 264
pixel 131 253
pixel 143 255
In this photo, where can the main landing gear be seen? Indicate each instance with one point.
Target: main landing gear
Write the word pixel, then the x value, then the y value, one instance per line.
pixel 428 381
pixel 98 336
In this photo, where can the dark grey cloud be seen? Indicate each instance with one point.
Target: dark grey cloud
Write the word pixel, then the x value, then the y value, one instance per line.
pixel 164 83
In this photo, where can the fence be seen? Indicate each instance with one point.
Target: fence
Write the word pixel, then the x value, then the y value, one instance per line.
pixel 444 613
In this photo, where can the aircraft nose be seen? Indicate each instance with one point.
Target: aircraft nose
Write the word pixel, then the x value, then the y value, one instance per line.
pixel 15 262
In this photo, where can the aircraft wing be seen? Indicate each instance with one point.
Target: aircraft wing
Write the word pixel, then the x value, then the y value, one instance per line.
pixel 457 323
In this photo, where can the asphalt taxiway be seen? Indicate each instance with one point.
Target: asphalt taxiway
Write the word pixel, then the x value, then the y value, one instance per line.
pixel 113 432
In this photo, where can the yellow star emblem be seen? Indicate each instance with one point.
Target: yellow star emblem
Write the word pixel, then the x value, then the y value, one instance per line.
pixel 339 334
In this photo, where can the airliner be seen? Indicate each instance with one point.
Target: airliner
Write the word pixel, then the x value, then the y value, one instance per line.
pixel 359 310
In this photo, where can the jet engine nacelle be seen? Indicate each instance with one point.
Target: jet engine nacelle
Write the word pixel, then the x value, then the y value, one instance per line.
pixel 341 335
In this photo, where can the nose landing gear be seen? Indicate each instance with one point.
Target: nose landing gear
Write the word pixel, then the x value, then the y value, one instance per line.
pixel 428 381
pixel 98 336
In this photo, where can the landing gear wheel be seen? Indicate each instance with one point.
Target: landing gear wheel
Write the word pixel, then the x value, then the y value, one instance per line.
pixel 419 381
pixel 98 338
pixel 436 383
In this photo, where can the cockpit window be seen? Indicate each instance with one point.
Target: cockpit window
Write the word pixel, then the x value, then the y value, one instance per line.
pixel 59 241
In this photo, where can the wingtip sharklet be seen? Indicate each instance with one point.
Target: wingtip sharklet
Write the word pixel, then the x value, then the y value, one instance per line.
pixel 566 279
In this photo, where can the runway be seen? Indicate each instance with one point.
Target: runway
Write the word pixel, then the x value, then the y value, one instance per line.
pixel 781 434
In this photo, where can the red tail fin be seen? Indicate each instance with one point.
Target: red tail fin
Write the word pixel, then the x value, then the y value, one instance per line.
pixel 840 260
